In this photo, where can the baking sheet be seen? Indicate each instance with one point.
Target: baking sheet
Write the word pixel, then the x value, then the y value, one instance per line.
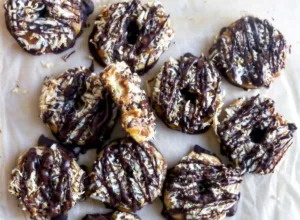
pixel 196 22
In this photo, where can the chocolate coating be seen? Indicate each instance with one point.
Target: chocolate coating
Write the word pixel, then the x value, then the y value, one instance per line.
pixel 117 215
pixel 47 182
pixel 187 95
pixel 127 175
pixel 49 26
pixel 253 135
pixel 250 52
pixel 77 108
pixel 132 32
pixel 200 187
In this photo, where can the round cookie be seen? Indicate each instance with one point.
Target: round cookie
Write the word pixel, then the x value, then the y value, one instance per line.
pixel 253 135
pixel 201 187
pixel 117 215
pixel 42 27
pixel 250 53
pixel 187 95
pixel 132 32
pixel 127 175
pixel 77 108
pixel 47 182
pixel 124 87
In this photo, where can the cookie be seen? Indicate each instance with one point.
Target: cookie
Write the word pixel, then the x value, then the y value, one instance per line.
pixel 253 135
pixel 47 182
pixel 201 187
pixel 124 86
pixel 77 108
pixel 117 215
pixel 187 95
pixel 132 32
pixel 250 53
pixel 127 175
pixel 42 27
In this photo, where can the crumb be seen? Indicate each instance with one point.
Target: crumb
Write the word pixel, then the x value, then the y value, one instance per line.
pixel 273 19
pixel 0 131
pixel 90 57
pixel 290 49
pixel 15 90
pixel 66 56
pixel 47 65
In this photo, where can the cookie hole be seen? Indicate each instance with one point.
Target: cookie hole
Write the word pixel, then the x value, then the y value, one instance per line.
pixel 257 135
pixel 79 104
pixel 133 32
pixel 43 13
pixel 201 188
pixel 188 96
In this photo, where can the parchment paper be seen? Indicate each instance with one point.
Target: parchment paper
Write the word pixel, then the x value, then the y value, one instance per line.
pixel 196 22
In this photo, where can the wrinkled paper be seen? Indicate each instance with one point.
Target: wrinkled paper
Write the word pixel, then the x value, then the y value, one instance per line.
pixel 275 196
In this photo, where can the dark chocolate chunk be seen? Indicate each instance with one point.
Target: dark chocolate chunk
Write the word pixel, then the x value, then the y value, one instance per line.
pixel 60 217
pixel 292 127
pixel 199 150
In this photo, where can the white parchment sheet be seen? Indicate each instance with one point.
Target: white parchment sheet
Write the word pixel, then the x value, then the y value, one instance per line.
pixel 196 22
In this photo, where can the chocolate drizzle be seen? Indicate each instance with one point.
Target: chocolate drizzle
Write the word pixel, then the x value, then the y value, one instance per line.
pixel 127 175
pixel 200 187
pixel 187 94
pixel 42 27
pixel 46 184
pixel 111 216
pixel 126 36
pixel 254 136
pixel 250 52
pixel 82 113
pixel 98 217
